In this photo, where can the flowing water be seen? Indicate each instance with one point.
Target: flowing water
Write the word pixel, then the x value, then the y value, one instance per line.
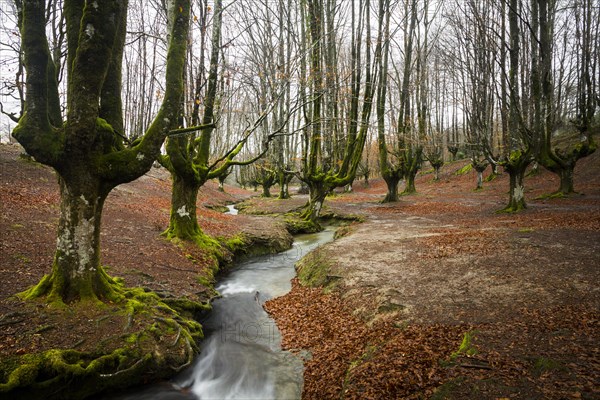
pixel 241 355
pixel 231 209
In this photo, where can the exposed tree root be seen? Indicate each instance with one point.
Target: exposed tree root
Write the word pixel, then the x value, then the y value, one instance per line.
pixel 164 341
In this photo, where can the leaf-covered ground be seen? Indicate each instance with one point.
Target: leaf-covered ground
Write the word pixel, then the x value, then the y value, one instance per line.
pixel 436 296
pixel 417 276
pixel 134 216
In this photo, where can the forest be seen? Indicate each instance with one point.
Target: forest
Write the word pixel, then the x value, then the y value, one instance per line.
pixel 385 198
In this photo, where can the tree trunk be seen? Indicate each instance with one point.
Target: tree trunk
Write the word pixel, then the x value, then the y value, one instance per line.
pixel 436 173
pixel 517 189
pixel 284 192
pixel 392 188
pixel 317 195
pixel 266 189
pixel 284 182
pixel 410 182
pixel 183 223
pixel 84 149
pixel 566 179
pixel 515 166
pixel 479 180
pixel 76 271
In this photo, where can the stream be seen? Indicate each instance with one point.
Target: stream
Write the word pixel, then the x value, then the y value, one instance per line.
pixel 241 355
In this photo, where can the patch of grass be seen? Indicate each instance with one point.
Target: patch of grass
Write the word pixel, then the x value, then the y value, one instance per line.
pixel 543 364
pixel 466 347
pixel 491 177
pixel 445 391
pixel 22 258
pixel 466 169
pixel 526 230
pixel 551 196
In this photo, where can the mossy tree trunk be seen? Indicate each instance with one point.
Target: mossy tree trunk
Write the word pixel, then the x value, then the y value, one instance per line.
pixel 284 179
pixel 479 166
pixel 266 189
pixel 86 150
pixel 410 187
pixel 75 272
pixel 317 193
pixel 453 150
pixel 516 165
pixel 267 179
pixel 566 180
pixel 437 165
pixel 183 221
pixel 189 158
pixel 391 180
pixel 412 166
pixel 222 178
pixel 322 176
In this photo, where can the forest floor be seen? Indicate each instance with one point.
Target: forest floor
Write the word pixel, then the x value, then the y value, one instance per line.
pixel 434 296
pixel 439 296
pixel 132 248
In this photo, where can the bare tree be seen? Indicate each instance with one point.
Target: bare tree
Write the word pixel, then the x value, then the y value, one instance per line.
pixel 321 171
pixel 586 19
pixel 85 149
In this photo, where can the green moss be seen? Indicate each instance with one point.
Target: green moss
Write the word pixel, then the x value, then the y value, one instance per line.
pixel 543 364
pixel 187 307
pixel 526 230
pixel 467 168
pixel 169 341
pixel 551 196
pixel 205 281
pixel 510 209
pixel 294 223
pixel 466 347
pixel 237 243
pixel 515 156
pixel 491 177
pixel 315 271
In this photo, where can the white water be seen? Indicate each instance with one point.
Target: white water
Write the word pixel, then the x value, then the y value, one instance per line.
pixel 231 209
pixel 241 355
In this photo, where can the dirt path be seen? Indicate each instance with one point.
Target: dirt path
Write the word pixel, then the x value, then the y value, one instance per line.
pixel 421 273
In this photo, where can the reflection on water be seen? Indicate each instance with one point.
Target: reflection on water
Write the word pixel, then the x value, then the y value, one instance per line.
pixel 241 357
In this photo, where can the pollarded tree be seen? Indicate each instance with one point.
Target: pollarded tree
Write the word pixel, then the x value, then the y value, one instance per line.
pixel 390 172
pixel 402 149
pixel 520 139
pixel 478 46
pixel 189 158
pixel 585 43
pixel 324 169
pixel 85 148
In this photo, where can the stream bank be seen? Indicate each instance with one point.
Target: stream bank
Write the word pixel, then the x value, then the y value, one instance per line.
pixel 83 348
pixel 241 354
pixel 148 336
